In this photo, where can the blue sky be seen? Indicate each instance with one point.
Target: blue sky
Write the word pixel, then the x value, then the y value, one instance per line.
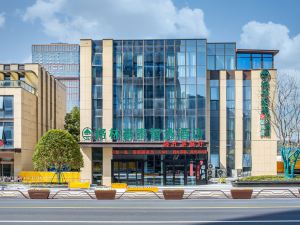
pixel 265 24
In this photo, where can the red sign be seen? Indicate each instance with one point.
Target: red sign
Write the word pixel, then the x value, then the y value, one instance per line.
pixel 1 143
pixel 183 144
pixel 159 152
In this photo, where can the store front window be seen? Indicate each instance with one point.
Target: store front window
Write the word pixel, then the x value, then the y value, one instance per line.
pixel 159 170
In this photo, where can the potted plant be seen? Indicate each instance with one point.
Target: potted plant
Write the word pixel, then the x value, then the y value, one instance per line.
pixel 241 193
pixel 105 194
pixel 39 193
pixel 175 194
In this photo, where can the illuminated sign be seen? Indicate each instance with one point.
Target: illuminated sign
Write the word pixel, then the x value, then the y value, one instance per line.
pixel 141 134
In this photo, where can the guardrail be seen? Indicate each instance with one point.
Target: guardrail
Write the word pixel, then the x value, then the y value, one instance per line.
pixel 121 195
pixel 212 191
pixel 274 189
pixel 81 191
pixel 127 192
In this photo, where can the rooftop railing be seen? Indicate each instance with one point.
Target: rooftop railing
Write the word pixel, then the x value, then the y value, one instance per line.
pixel 17 83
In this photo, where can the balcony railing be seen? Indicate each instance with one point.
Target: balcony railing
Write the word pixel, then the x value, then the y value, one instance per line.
pixel 17 83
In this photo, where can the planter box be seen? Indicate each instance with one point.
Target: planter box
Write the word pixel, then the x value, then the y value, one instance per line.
pixel 105 194
pixel 241 193
pixel 173 194
pixel 38 194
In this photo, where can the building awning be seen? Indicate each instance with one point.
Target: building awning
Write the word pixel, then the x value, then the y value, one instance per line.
pixel 186 145
pixel 9 150
pixel 257 51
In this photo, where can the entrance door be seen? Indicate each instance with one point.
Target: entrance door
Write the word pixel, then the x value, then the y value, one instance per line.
pixel 174 172
pixel 128 171
pixel 196 172
pixel 6 170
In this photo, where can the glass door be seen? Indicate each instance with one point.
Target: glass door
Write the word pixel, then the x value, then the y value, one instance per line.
pixel 174 172
pixel 130 172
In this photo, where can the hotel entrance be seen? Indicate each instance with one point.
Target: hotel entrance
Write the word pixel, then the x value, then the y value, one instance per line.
pixel 159 170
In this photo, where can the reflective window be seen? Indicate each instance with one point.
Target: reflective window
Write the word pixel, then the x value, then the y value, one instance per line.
pixel 7 134
pixel 243 61
pixel 267 61
pixel 230 124
pixel 6 106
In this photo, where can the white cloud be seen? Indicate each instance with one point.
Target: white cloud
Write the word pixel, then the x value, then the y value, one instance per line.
pixel 70 20
pixel 273 36
pixel 2 19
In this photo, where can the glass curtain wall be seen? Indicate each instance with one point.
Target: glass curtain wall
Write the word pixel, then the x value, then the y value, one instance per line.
pixel 247 61
pixel 215 118
pixel 160 84
pixel 221 56
pixel 230 125
pixel 97 84
pixel 247 121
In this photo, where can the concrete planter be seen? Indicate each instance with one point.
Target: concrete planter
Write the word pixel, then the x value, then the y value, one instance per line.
pixel 173 194
pixel 105 194
pixel 241 193
pixel 39 194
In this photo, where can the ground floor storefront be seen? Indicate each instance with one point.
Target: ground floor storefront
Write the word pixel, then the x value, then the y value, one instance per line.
pixel 146 164
pixel 159 170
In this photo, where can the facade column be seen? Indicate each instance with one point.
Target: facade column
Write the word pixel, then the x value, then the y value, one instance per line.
pixel 238 120
pixel 107 120
pixel 263 149
pixel 86 103
pixel 86 171
pixel 107 157
pixel 207 120
pixel 223 113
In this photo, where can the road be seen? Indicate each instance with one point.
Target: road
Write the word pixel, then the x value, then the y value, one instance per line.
pixel 202 211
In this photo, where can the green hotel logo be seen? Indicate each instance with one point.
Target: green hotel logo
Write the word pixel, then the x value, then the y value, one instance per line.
pixel 87 134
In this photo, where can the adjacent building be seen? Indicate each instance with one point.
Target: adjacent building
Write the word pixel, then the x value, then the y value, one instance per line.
pixel 62 61
pixel 31 102
pixel 164 112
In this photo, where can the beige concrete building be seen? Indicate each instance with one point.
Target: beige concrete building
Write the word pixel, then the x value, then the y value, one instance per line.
pixel 175 111
pixel 31 102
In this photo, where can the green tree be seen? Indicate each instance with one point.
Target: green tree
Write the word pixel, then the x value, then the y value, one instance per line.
pixel 58 149
pixel 72 123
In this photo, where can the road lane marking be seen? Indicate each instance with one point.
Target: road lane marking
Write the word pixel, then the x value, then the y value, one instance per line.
pixel 151 222
pixel 143 207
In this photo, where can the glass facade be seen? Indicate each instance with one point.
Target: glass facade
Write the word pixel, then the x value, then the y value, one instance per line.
pixel 230 122
pixel 97 85
pixel 215 118
pixel 160 84
pixel 247 106
pixel 247 61
pixel 62 61
pixel 97 160
pixel 6 121
pixel 221 56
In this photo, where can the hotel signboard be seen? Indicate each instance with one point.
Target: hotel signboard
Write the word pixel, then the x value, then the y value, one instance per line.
pixel 141 134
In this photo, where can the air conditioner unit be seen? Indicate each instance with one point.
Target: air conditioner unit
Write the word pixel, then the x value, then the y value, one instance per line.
pixel 210 166
pixel 221 173
pixel 211 173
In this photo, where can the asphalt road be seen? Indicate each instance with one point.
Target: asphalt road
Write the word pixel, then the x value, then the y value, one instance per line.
pixel 254 211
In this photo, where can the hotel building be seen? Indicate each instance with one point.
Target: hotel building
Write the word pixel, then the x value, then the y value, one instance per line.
pixel 163 112
pixel 31 102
